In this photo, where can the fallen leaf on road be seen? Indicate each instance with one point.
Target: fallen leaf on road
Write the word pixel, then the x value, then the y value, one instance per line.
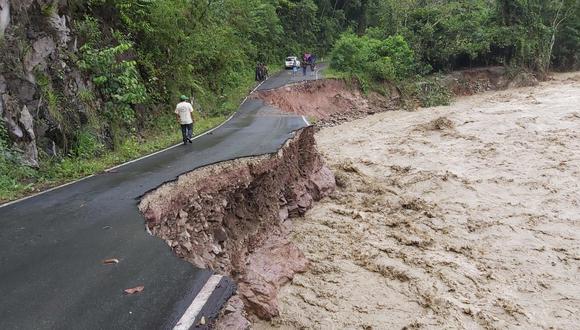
pixel 110 261
pixel 134 290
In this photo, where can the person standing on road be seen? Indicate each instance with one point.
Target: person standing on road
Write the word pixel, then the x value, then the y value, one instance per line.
pixel 183 112
pixel 312 62
pixel 258 72
pixel 304 65
pixel 261 72
pixel 265 73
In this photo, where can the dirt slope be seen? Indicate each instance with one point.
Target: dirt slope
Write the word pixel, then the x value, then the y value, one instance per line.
pixel 328 101
pixel 466 216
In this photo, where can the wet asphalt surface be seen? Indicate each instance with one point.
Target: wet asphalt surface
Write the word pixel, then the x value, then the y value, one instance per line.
pixel 52 245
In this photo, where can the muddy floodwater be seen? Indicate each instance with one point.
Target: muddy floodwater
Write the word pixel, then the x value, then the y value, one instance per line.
pixel 464 216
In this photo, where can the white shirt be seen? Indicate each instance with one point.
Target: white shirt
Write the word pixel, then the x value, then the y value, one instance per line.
pixel 184 110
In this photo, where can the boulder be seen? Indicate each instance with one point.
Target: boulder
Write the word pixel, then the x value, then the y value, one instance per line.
pixel 58 24
pixel 272 265
pixel 41 49
pixel 324 182
pixel 233 316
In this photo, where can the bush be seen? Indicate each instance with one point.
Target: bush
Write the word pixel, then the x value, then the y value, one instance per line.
pixel 387 59
pixel 87 145
pixel 425 92
pixel 118 80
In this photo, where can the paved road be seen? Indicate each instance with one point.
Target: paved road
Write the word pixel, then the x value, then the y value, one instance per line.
pixel 52 245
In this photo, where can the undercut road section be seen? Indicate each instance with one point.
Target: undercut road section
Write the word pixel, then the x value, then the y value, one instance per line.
pixel 52 246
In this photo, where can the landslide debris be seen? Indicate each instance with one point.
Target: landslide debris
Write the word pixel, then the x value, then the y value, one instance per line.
pixel 437 124
pixel 231 217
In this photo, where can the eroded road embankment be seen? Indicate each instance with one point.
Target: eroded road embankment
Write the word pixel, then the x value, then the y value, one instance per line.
pixel 462 217
pixel 329 101
pixel 231 217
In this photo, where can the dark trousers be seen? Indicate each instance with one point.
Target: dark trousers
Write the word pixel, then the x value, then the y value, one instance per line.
pixel 186 131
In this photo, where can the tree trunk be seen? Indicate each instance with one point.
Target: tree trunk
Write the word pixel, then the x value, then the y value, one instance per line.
pixel 363 16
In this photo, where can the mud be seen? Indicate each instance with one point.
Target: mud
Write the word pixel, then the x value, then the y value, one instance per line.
pixel 465 216
pixel 231 217
pixel 329 102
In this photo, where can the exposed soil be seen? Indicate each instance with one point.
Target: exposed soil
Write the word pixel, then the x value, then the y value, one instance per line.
pixel 465 216
pixel 231 217
pixel 474 81
pixel 328 102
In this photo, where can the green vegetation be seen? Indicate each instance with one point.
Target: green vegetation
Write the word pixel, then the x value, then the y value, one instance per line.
pixel 425 92
pixel 12 174
pixel 140 55
pixel 88 158
pixel 390 59
pixel 403 40
pixel 455 34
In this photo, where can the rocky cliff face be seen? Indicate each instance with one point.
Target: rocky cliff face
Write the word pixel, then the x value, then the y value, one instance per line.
pixel 39 79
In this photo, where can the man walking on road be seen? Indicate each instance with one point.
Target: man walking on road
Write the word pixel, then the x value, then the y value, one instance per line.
pixel 183 112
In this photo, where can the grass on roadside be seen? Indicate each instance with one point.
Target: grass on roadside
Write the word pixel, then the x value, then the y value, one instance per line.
pixel 17 181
